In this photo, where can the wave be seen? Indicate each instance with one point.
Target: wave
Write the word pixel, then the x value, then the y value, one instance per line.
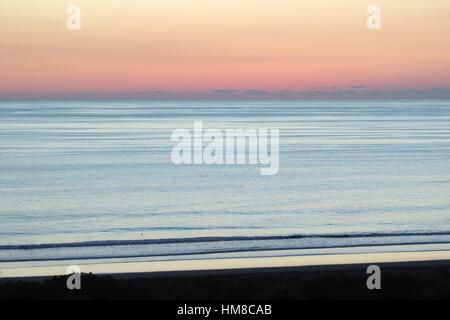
pixel 108 243
pixel 238 250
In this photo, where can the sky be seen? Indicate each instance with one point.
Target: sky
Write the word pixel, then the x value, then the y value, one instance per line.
pixel 224 49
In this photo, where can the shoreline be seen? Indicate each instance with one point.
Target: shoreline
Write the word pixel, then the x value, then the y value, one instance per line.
pixel 224 266
pixel 421 277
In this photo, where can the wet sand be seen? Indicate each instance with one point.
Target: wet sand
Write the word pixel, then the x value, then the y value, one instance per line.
pixel 243 265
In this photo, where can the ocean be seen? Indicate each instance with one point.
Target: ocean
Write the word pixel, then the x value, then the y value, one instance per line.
pixel 94 180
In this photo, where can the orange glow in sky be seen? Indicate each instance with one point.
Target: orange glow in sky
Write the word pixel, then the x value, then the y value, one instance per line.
pixel 201 45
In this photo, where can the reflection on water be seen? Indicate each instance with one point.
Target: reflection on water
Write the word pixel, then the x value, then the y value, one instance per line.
pixel 94 171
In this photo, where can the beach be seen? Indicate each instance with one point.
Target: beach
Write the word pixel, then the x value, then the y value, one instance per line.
pixel 413 275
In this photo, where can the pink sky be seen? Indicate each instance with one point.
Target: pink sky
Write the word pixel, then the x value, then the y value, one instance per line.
pixel 265 48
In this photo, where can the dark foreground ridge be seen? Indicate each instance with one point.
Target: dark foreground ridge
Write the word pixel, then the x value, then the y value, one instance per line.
pixel 399 281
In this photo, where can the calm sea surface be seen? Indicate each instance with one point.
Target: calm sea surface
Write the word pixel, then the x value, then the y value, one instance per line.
pixel 95 180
